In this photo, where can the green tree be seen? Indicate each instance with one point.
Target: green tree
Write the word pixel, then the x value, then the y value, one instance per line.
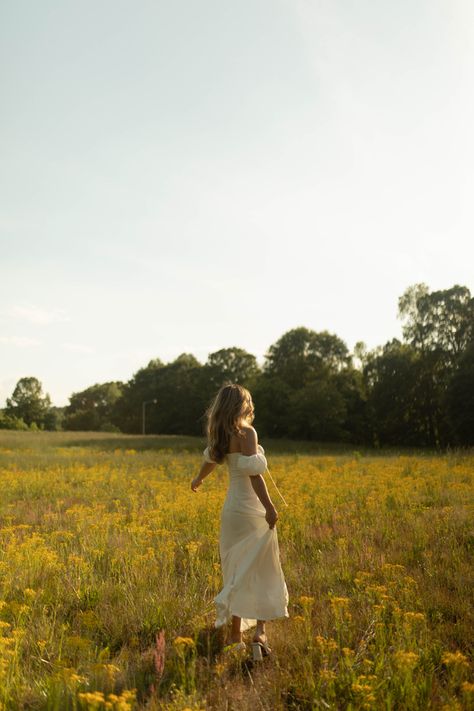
pixel 234 364
pixel 93 409
pixel 298 393
pixel 440 325
pixel 302 354
pixel 272 397
pixel 8 422
pixel 28 402
pixel 141 387
pixel 350 385
pixel 317 411
pixel 177 389
pixel 54 418
pixel 459 399
pixel 179 407
pixel 399 410
pixel 440 321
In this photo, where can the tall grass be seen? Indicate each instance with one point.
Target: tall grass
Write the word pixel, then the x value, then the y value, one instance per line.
pixel 109 564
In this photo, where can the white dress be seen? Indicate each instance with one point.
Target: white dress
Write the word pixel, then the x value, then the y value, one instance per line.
pixel 254 586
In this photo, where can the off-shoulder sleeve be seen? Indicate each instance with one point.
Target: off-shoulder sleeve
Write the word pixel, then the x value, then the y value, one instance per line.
pixel 207 457
pixel 253 464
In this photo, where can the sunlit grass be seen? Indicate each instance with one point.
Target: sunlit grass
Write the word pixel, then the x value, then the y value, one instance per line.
pixel 109 564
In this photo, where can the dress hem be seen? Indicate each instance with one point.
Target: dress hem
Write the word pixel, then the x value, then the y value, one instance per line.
pixel 253 618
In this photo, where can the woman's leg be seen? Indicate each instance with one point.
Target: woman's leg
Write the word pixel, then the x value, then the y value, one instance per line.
pixel 236 634
pixel 260 635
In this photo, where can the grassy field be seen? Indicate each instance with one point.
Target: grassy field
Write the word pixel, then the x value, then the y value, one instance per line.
pixel 109 564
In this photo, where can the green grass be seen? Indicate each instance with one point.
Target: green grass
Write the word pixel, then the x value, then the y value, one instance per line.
pixel 103 546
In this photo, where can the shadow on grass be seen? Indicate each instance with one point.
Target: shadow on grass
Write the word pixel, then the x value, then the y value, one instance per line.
pixel 103 441
pixel 178 443
pixel 210 641
pixel 140 443
pixel 110 441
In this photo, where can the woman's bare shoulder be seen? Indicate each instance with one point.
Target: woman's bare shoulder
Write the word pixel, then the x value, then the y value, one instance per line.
pixel 245 431
pixel 249 439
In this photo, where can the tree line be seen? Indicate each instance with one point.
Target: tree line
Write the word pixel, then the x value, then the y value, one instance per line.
pixel 418 391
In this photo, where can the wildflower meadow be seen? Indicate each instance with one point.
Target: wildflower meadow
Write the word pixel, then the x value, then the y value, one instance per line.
pixel 109 564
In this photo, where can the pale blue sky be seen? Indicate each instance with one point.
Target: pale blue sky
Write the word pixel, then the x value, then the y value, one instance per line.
pixel 188 176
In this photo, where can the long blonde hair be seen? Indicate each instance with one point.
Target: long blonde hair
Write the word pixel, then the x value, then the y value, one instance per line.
pixel 229 409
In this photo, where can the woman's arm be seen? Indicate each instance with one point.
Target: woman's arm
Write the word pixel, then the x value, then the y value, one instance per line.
pixel 249 447
pixel 206 468
pixel 260 488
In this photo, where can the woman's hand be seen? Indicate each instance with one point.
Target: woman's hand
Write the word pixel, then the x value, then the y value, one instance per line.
pixel 197 481
pixel 206 468
pixel 271 516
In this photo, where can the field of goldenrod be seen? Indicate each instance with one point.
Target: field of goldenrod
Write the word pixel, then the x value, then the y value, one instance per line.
pixel 109 564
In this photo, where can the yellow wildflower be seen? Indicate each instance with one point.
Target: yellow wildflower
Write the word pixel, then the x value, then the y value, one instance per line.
pixel 413 616
pixel 405 659
pixel 455 659
pixel 93 699
pixel 360 688
pixel 183 643
pixel 192 547
pixel 338 603
pixel 392 567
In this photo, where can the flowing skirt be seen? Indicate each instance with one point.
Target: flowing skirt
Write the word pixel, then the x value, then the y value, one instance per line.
pixel 254 584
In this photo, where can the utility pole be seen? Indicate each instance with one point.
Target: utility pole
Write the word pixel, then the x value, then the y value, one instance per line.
pixel 144 404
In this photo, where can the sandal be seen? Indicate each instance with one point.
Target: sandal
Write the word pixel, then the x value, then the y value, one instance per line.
pixel 260 649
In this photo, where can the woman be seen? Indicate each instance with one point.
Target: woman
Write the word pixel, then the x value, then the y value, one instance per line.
pixel 254 586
